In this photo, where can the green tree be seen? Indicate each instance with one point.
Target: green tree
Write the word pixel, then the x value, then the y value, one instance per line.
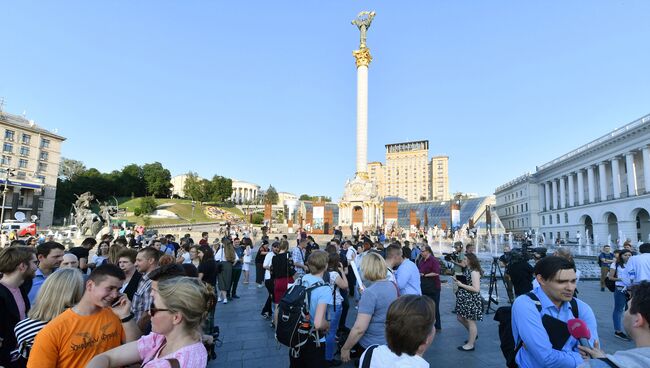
pixel 157 179
pixel 221 188
pixel 132 181
pixel 271 195
pixel 192 187
pixel 147 205
pixel 69 168
pixel 305 197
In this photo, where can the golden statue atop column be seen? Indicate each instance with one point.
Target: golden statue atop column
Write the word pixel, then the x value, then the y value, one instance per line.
pixel 360 208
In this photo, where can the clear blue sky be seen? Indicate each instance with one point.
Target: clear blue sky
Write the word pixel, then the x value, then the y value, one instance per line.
pixel 265 91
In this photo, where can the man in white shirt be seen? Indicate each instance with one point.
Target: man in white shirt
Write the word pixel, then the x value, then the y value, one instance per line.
pixel 267 310
pixel 638 267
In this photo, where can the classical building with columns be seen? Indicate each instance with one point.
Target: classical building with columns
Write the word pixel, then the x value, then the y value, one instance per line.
pixel 244 192
pixel 600 190
pixel 518 204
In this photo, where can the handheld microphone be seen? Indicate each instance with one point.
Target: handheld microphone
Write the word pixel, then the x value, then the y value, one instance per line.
pixel 579 330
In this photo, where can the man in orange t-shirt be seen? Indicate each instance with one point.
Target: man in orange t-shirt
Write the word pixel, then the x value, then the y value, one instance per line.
pixel 89 328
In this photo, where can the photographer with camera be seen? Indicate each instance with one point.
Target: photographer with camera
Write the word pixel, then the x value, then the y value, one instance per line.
pixel 457 258
pixel 520 272
pixel 504 262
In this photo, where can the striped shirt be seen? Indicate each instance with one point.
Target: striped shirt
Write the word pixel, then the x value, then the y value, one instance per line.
pixel 25 332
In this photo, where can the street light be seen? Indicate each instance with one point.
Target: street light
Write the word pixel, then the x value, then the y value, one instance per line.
pixel 8 172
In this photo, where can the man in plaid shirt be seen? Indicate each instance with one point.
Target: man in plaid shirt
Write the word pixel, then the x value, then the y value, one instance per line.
pixel 145 262
pixel 298 256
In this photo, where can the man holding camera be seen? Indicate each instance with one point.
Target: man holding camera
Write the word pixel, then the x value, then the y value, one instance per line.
pixel 504 262
pixel 459 262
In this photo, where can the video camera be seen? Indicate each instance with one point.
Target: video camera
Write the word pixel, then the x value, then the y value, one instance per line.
pixel 526 253
pixel 450 257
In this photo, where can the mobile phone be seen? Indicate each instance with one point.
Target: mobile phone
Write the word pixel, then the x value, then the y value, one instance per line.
pixel 116 302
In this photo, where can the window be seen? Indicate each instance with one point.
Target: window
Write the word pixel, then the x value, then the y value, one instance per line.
pixel 543 220
pixel 566 235
pixel 566 219
pixel 550 219
pixel 40 178
pixel 24 151
pixel 21 175
pixel 42 166
pixel 45 143
pixel 26 138
pixel 526 207
pixel 6 160
pixel 9 135
pixel 22 163
pixel 8 147
pixel 557 217
pixel 44 156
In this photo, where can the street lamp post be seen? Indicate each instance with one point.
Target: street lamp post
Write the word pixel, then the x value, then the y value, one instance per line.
pixel 8 172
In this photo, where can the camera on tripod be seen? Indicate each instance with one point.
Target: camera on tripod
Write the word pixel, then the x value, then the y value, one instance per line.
pixel 527 252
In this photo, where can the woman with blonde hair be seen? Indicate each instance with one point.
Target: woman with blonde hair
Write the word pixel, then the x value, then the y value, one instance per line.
pixel 369 327
pixel 179 307
pixel 61 290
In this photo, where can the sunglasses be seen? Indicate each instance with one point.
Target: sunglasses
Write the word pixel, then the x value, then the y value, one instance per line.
pixel 153 310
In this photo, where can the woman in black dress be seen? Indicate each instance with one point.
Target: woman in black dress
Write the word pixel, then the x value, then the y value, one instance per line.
pixel 259 260
pixel 208 274
pixel 469 306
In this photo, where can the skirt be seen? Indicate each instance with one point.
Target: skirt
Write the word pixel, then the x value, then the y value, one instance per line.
pixel 280 288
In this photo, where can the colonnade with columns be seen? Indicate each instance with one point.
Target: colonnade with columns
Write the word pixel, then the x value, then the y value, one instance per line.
pixel 621 176
pixel 244 193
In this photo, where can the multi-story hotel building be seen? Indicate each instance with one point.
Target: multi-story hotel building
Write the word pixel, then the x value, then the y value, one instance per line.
pixel 33 156
pixel 376 174
pixel 600 190
pixel 439 178
pixel 407 171
pixel 410 175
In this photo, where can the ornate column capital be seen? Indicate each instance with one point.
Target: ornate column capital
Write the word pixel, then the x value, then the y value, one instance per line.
pixel 362 57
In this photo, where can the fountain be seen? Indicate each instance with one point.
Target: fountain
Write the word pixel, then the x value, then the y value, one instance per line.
pixel 510 239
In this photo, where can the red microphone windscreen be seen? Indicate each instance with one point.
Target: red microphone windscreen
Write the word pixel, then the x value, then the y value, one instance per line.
pixel 579 329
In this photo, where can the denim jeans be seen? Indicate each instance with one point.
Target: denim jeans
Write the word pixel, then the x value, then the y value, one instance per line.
pixel 330 339
pixel 619 308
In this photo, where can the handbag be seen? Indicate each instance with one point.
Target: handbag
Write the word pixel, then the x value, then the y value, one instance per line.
pixel 611 284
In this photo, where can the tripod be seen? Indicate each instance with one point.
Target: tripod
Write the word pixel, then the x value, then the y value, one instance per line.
pixel 493 285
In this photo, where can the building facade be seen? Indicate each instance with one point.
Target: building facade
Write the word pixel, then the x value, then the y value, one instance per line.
pixel 178 185
pixel 376 175
pixel 439 170
pixel 244 192
pixel 407 171
pixel 599 191
pixel 33 155
pixel 517 205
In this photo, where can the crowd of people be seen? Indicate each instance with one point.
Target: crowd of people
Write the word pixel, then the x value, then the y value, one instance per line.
pixel 149 304
pixel 113 303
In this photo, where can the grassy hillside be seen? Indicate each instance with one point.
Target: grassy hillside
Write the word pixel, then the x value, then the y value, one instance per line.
pixel 181 207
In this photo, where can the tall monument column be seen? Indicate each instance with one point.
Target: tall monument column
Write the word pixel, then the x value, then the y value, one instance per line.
pixel 363 58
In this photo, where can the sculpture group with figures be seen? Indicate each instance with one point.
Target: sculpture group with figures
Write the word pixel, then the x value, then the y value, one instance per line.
pixel 88 222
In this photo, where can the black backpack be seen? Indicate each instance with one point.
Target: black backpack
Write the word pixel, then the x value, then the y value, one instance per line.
pixel 294 325
pixel 503 315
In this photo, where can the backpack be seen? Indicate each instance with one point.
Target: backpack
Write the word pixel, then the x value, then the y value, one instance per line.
pixel 294 325
pixel 503 315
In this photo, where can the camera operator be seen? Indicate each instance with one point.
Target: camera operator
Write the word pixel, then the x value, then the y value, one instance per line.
pixel 457 258
pixel 504 262
pixel 520 272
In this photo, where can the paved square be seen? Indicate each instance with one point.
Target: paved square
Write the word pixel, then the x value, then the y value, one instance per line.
pixel 248 340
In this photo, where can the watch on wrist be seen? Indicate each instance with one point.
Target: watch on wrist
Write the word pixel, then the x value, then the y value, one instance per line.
pixel 127 318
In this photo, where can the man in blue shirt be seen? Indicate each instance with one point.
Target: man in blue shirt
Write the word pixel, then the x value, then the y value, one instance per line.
pixel 557 280
pixel 50 256
pixel 407 274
